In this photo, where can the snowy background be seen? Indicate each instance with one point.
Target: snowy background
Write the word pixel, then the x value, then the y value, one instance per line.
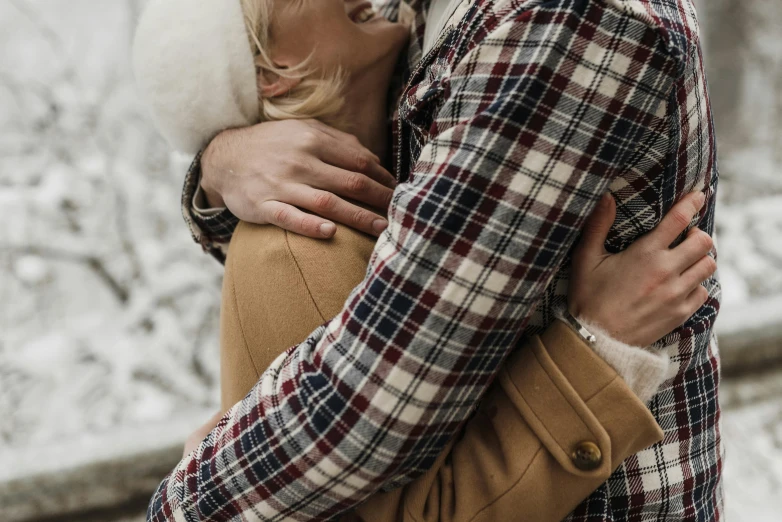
pixel 109 315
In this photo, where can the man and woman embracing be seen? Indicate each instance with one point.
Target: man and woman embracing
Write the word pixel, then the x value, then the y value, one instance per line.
pixel 515 325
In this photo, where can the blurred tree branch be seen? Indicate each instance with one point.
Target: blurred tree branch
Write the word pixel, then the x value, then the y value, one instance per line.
pixel 46 32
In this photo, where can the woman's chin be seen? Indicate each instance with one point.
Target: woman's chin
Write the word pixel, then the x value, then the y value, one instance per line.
pixel 388 38
pixel 384 33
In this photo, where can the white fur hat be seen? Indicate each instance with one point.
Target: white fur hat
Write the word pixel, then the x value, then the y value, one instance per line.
pixel 194 68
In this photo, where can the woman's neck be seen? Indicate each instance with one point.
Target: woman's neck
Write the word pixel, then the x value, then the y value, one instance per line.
pixel 366 111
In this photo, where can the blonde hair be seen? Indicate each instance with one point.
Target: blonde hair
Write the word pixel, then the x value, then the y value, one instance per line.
pixel 313 97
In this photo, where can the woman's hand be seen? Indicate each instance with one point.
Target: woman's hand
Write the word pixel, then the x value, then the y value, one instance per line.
pixel 640 295
pixel 198 436
pixel 263 173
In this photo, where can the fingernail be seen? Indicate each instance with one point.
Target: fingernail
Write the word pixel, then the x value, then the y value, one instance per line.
pixel 328 229
pixel 700 199
pixel 605 199
pixel 379 225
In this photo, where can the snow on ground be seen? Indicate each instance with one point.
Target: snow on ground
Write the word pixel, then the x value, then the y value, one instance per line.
pixel 752 430
pixel 110 312
pixel 749 241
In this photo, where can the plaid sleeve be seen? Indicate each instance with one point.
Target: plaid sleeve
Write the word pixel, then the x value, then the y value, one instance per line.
pixel 539 116
pixel 213 231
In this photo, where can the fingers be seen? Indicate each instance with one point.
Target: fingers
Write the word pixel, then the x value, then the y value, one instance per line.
pixel 596 228
pixel 294 220
pixel 677 220
pixel 340 136
pixel 694 294
pixel 693 302
pixel 697 244
pixel 355 186
pixel 699 272
pixel 681 312
pixel 332 207
pixel 355 158
pixel 377 172
pixel 343 150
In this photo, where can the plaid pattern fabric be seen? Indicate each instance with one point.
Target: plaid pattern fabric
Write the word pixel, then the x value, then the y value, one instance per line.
pixel 523 114
pixel 212 232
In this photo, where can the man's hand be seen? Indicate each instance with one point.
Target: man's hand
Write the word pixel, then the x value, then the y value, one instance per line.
pixel 263 173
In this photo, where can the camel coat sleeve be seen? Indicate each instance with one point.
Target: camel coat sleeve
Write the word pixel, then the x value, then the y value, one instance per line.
pixel 515 460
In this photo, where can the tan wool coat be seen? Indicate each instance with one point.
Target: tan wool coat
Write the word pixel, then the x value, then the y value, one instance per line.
pixel 552 428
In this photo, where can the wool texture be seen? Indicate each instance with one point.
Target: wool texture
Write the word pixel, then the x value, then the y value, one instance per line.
pixel 194 69
pixel 643 370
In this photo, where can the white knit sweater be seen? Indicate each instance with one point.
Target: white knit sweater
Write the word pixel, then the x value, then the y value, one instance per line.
pixel 644 370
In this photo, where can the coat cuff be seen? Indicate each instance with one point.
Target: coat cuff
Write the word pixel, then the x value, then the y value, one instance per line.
pixel 569 395
pixel 643 370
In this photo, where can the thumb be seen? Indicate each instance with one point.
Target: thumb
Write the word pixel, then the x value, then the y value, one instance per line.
pixel 198 436
pixel 213 421
pixel 207 428
pixel 596 228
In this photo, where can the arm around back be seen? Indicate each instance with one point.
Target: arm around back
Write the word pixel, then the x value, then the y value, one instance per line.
pixel 514 458
pixel 475 237
pixel 553 427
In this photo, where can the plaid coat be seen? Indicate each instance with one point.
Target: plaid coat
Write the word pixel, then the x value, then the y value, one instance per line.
pixel 507 133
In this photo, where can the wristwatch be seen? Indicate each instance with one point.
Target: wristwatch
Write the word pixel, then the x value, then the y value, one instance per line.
pixel 579 328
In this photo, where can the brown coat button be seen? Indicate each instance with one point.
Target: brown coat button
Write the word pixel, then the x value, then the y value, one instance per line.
pixel 586 456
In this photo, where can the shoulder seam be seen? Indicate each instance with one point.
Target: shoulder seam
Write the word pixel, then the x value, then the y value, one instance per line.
pixel 636 10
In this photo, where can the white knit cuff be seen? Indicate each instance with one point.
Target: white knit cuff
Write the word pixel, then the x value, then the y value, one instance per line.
pixel 643 370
